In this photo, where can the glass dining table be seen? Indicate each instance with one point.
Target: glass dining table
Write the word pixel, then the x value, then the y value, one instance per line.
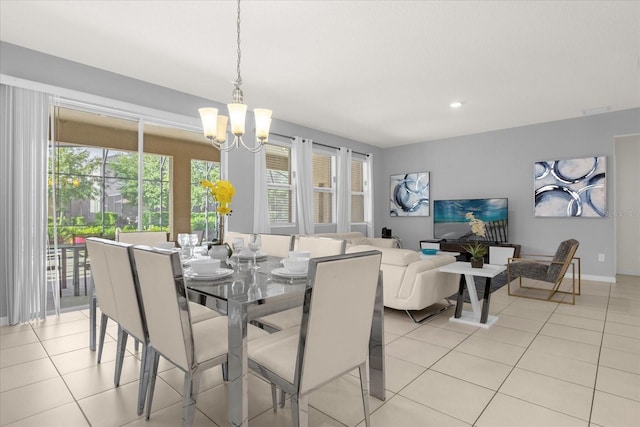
pixel 247 294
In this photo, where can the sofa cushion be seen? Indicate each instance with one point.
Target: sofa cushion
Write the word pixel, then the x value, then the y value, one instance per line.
pixel 359 241
pixel 343 236
pixel 391 256
pixel 357 238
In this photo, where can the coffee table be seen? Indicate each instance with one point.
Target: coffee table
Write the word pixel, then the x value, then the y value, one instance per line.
pixel 477 317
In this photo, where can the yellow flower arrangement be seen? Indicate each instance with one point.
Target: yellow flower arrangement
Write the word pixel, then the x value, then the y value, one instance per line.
pixel 479 229
pixel 222 192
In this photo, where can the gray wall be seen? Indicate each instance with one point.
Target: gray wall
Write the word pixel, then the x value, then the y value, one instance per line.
pixel 500 164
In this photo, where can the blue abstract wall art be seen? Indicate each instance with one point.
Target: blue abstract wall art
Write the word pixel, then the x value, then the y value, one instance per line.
pixel 571 188
pixel 409 194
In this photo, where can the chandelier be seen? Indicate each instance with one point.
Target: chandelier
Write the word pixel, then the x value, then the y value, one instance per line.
pixel 215 125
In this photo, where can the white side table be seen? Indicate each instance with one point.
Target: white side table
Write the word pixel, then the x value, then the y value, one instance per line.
pixel 479 317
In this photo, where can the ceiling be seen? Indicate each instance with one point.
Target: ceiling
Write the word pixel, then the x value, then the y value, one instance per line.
pixel 378 72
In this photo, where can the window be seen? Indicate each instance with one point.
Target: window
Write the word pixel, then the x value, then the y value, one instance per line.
pixel 95 185
pixel 279 189
pixel 281 194
pixel 323 187
pixel 358 186
pixel 203 213
pixel 94 177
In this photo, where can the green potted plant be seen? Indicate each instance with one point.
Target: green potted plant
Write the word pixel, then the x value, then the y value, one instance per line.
pixel 476 250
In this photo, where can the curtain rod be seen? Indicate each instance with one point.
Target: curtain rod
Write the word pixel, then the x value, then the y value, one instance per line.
pixel 316 143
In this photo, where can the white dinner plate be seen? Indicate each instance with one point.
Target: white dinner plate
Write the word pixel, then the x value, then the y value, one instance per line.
pixel 220 273
pixel 283 272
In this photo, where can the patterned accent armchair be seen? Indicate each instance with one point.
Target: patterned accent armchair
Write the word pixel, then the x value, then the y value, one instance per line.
pixel 546 274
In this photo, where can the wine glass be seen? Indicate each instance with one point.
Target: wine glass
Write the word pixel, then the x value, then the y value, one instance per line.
pixel 238 244
pixel 184 241
pixel 254 293
pixel 255 242
pixel 193 242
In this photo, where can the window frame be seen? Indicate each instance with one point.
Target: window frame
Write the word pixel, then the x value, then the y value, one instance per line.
pixel 291 188
pixel 333 154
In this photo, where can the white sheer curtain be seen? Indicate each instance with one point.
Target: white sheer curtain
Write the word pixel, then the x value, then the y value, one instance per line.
pixel 343 191
pixel 23 211
pixel 302 156
pixel 368 194
pixel 260 199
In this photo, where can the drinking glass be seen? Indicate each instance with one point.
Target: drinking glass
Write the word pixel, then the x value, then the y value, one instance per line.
pixel 184 241
pixel 238 245
pixel 254 293
pixel 193 242
pixel 255 242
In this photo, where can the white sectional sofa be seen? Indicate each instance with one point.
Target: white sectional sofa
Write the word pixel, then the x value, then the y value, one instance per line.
pixel 411 283
pixel 357 238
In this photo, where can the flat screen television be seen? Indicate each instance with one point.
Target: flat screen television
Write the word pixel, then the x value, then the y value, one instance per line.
pixel 449 222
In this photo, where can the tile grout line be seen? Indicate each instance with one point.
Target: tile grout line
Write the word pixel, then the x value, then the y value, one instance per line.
pixel 595 381
pixel 513 367
pixel 62 377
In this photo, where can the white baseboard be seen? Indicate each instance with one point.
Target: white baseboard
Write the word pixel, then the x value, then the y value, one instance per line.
pixel 593 278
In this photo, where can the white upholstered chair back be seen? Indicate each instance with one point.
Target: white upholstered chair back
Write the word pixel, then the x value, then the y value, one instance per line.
pixel 230 235
pixel 124 288
pixel 102 277
pixel 320 246
pixel 147 238
pixel 276 245
pixel 500 255
pixel 338 312
pixel 165 304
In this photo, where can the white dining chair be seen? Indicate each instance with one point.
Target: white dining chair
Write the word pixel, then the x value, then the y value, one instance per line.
pixel 199 311
pixel 276 244
pixel 120 300
pixel 333 338
pixel 230 235
pixel 192 347
pixel 148 238
pixel 499 255
pixel 319 247
pixel 117 293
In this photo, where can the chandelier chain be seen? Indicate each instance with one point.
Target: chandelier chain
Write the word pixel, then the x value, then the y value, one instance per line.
pixel 215 125
pixel 239 78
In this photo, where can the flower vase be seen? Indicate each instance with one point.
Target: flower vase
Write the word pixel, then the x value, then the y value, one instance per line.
pixel 477 262
pixel 219 249
pixel 220 231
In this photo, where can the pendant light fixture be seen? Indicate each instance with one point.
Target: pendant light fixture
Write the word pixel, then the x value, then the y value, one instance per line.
pixel 215 125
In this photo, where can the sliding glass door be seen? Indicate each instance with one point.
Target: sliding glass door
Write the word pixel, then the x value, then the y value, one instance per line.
pixel 110 173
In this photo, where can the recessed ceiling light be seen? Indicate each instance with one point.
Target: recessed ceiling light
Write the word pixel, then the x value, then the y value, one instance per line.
pixel 455 104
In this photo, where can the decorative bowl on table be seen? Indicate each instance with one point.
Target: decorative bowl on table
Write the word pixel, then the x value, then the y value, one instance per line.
pixel 296 264
pixel 429 251
pixel 205 265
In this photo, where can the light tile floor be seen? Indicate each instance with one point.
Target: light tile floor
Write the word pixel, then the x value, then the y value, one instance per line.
pixel 541 365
